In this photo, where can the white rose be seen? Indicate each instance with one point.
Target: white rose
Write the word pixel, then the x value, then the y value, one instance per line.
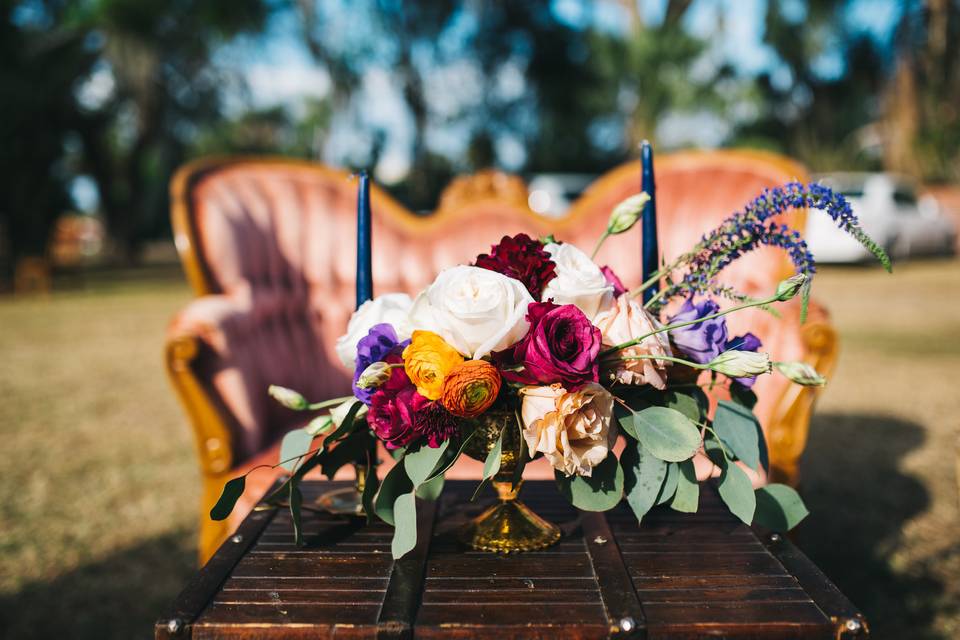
pixel 391 308
pixel 579 281
pixel 475 310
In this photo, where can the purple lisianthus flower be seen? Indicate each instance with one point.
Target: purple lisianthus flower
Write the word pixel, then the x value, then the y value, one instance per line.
pixel 746 342
pixel 704 341
pixel 562 346
pixel 379 343
pixel 613 279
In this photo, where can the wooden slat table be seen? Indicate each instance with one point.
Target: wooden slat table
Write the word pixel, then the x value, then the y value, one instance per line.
pixel 677 576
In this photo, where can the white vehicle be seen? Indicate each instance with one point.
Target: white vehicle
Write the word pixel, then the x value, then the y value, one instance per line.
pixel 890 213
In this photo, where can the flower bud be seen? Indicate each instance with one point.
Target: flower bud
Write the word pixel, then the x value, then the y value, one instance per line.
pixel 626 214
pixel 791 286
pixel 801 373
pixel 339 413
pixel 740 364
pixel 288 397
pixel 374 376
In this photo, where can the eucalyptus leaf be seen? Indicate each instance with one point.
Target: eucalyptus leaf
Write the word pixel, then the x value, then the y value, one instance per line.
pixel 779 507
pixel 421 463
pixel 736 491
pixel 394 484
pixel 232 491
pixel 740 431
pixel 692 403
pixel 491 465
pixel 624 417
pixel 669 486
pixel 347 424
pixel 370 487
pixel 348 450
pixel 431 489
pixel 643 478
pixel 743 396
pixel 405 525
pixel 687 497
pixel 600 492
pixel 295 443
pixel 443 468
pixel 296 500
pixel 667 433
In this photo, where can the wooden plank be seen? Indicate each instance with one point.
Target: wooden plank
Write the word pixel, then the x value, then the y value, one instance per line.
pixel 177 621
pixel 846 619
pixel 524 565
pixel 624 612
pixel 402 598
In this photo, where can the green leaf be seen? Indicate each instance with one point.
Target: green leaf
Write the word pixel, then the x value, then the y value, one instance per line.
pixel 693 404
pixel 491 465
pixel 347 423
pixel 352 448
pixel 625 418
pixel 296 500
pixel 431 489
pixel 523 456
pixel 643 478
pixel 667 433
pixel 405 525
pixel 370 486
pixel 740 431
pixel 600 492
pixel 779 507
pixel 232 491
pixel 421 463
pixel 394 484
pixel 669 483
pixel 295 443
pixel 443 468
pixel 743 396
pixel 737 493
pixel 687 497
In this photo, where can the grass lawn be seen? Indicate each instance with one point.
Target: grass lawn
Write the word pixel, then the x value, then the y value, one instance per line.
pixel 99 483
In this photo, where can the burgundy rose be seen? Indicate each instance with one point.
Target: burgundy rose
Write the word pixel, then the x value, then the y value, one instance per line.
pixel 613 279
pixel 521 258
pixel 562 346
pixel 391 416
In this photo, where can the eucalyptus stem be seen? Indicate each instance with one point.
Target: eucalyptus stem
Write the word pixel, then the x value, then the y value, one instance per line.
pixel 679 325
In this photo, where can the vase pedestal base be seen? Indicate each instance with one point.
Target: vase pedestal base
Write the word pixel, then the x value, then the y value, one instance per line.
pixel 509 526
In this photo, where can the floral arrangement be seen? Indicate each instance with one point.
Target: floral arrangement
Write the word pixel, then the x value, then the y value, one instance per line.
pixel 537 329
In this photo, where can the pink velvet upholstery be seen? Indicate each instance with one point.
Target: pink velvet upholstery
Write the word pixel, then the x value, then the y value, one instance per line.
pixel 275 242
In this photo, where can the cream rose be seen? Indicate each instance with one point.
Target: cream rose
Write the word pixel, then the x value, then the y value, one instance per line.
pixel 573 429
pixel 579 281
pixel 391 308
pixel 627 320
pixel 474 310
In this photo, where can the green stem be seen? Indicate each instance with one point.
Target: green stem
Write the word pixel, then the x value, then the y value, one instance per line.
pixel 679 325
pixel 600 241
pixel 695 365
pixel 649 303
pixel 328 403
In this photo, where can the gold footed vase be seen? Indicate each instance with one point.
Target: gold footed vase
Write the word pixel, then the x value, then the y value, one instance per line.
pixel 508 526
pixel 346 501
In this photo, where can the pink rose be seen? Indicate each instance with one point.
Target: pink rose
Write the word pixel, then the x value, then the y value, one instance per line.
pixel 561 347
pixel 623 322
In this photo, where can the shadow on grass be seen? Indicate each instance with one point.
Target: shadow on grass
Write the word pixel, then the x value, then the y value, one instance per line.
pixel 118 597
pixel 860 500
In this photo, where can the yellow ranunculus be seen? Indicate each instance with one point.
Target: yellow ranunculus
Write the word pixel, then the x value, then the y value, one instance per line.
pixel 427 361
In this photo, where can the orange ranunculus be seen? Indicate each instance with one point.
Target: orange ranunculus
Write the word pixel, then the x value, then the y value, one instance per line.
pixel 470 388
pixel 427 361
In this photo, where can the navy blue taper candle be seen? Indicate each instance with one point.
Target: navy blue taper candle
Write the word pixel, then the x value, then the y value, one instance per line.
pixel 651 250
pixel 364 251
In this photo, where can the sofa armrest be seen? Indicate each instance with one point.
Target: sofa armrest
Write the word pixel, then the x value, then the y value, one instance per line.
pixel 791 424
